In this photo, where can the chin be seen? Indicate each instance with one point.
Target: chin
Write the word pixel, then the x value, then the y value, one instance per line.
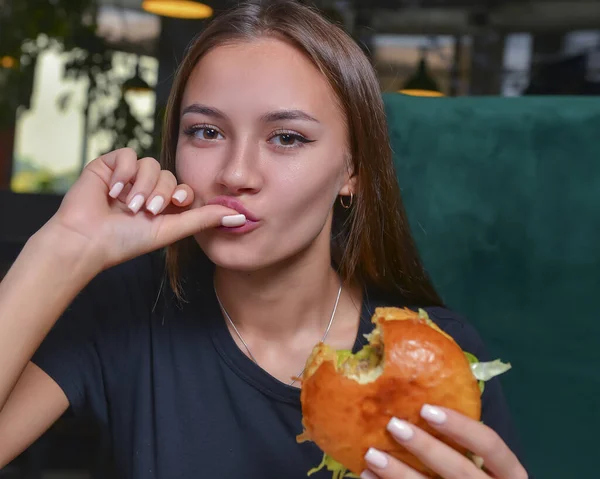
pixel 234 255
pixel 242 266
pixel 249 256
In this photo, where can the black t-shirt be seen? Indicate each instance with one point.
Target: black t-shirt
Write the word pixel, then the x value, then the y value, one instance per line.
pixel 173 394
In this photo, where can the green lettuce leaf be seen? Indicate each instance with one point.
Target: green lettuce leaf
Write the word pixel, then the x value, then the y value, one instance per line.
pixel 488 370
pixel 338 470
pixel 471 357
pixel 484 371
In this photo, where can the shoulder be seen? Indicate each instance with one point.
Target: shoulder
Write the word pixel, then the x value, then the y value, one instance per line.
pixel 463 332
pixel 99 339
pixel 451 322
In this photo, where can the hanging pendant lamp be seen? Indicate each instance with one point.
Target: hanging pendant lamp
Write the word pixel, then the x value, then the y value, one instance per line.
pixel 421 83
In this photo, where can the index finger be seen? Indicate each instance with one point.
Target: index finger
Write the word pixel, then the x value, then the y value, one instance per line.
pixel 111 158
pixel 117 167
pixel 477 438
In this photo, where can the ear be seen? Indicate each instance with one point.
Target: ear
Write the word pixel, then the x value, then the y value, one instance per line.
pixel 349 186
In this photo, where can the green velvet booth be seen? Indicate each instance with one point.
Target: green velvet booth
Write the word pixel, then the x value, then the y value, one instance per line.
pixel 503 196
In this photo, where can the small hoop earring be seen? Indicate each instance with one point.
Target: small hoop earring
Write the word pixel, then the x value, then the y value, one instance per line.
pixel 351 201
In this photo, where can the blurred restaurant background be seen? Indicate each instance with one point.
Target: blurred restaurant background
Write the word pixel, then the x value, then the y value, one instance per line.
pixel 82 77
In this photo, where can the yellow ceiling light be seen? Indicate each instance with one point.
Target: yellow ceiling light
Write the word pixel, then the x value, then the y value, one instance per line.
pixel 178 8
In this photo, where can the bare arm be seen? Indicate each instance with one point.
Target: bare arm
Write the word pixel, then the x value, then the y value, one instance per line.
pixel 43 281
pixel 35 403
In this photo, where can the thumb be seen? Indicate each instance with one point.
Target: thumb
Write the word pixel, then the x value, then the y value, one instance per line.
pixel 177 226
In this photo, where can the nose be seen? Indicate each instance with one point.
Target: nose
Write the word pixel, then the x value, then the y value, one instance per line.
pixel 240 172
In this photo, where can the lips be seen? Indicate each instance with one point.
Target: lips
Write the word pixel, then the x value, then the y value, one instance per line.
pixel 234 204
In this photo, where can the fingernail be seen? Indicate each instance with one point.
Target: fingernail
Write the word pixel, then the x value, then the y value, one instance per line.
pixel 156 204
pixel 136 203
pixel 116 190
pixel 180 195
pixel 376 458
pixel 400 429
pixel 368 475
pixel 233 220
pixel 433 414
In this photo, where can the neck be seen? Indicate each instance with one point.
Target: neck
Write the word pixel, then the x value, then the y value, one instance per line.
pixel 280 302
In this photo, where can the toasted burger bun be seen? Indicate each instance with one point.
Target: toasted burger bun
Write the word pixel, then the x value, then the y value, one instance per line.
pixel 347 403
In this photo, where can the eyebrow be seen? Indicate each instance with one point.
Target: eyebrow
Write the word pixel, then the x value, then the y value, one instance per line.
pixel 204 110
pixel 270 117
pixel 287 115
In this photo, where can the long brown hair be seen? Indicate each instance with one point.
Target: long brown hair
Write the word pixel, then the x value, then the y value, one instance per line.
pixel 371 241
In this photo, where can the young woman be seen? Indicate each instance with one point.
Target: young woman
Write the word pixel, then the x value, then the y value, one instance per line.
pixel 277 205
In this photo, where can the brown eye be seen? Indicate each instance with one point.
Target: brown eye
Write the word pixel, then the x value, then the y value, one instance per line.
pixel 287 139
pixel 204 133
pixel 209 134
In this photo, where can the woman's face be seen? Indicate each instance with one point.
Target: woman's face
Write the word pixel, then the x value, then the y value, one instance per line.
pixel 260 131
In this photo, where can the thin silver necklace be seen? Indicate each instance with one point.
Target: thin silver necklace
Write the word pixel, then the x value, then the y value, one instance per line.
pixel 299 375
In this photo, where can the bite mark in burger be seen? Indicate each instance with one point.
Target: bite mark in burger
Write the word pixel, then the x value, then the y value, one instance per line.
pixel 347 399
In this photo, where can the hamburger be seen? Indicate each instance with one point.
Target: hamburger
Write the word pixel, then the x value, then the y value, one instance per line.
pixel 348 399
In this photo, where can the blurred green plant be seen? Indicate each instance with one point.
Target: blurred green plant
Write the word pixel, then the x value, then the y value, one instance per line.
pixel 93 60
pixel 30 178
pixel 127 129
pixel 27 28
pixel 30 27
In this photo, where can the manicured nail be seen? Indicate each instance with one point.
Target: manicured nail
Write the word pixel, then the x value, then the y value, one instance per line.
pixel 180 195
pixel 116 190
pixel 433 414
pixel 376 458
pixel 233 220
pixel 136 203
pixel 368 475
pixel 156 204
pixel 400 429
